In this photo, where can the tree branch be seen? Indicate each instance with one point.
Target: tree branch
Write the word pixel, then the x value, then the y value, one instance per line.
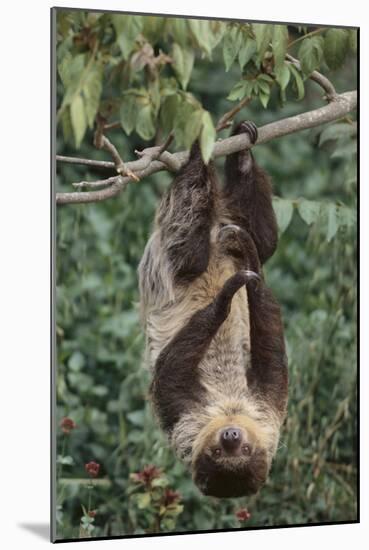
pixel 317 77
pixel 341 106
pixel 87 162
pixel 102 142
pixel 226 119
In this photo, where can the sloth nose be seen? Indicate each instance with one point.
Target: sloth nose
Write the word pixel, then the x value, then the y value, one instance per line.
pixel 230 438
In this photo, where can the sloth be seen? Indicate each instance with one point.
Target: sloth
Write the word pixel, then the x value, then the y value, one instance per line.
pixel 214 333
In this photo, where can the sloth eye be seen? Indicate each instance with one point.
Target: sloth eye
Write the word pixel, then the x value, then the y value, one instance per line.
pixel 246 449
pixel 217 452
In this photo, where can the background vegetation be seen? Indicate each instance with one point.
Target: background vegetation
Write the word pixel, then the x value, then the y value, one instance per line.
pixel 116 474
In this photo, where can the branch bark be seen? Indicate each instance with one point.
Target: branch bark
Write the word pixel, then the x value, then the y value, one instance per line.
pixel 317 77
pixel 341 106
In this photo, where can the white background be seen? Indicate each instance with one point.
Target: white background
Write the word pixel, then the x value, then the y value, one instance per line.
pixel 24 272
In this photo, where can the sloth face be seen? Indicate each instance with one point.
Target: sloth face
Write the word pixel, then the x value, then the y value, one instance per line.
pixel 230 464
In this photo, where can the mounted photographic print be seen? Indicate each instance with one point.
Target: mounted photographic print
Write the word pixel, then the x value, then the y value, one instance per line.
pixel 204 371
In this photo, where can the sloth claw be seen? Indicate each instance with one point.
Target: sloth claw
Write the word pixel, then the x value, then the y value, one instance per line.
pixel 253 278
pixel 249 128
pixel 251 274
pixel 229 230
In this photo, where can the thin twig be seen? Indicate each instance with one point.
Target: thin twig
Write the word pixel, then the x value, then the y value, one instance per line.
pixel 317 31
pixel 87 162
pixel 93 184
pixel 317 77
pixel 112 125
pixel 343 104
pixel 102 142
pixel 83 75
pixel 226 120
pixel 159 153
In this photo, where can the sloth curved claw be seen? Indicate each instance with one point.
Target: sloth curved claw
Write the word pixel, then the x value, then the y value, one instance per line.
pixel 249 128
pixel 227 231
pixel 252 277
pixel 251 274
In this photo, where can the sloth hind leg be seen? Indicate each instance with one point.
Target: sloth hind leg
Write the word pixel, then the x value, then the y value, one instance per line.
pixel 186 215
pixel 267 376
pixel 248 196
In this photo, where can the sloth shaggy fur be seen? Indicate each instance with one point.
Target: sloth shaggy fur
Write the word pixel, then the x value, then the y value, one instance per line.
pixel 214 334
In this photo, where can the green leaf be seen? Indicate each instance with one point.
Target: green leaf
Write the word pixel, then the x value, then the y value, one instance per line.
pixel 332 132
pixel 193 128
pixel 155 98
pixel 279 43
pixel 263 35
pixel 127 28
pixel 217 30
pixel 137 418
pixel 92 88
pixel 283 209
pixel 169 112
pixel 332 220
pixel 78 118
pixel 352 39
pixel 309 210
pixel 231 46
pixel 169 524
pixel 346 216
pixel 282 75
pixel 201 32
pixel 263 84
pixel 311 54
pixel 183 60
pixel 159 482
pixel 128 114
pixel 153 28
pixel 247 50
pixel 240 90
pixel 64 68
pixel 67 126
pixel 145 124
pixel 178 29
pixel 335 47
pixel 70 68
pixel 264 98
pixel 347 149
pixel 76 361
pixel 86 521
pixel 207 136
pixel 143 500
pixel 65 460
pixel 72 78
pixel 298 80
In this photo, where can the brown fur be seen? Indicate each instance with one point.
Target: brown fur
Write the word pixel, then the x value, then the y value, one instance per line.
pixel 214 331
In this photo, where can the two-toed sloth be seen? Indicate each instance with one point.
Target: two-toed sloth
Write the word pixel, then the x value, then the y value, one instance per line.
pixel 214 331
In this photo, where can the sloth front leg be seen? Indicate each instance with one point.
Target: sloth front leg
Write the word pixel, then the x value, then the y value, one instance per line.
pixel 176 386
pixel 248 196
pixel 237 242
pixel 185 217
pixel 268 374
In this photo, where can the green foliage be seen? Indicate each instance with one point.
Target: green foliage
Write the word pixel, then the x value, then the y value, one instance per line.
pixel 335 47
pixel 147 59
pixel 207 136
pixel 183 59
pixel 101 382
pixel 311 54
pixel 279 43
pixel 329 215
